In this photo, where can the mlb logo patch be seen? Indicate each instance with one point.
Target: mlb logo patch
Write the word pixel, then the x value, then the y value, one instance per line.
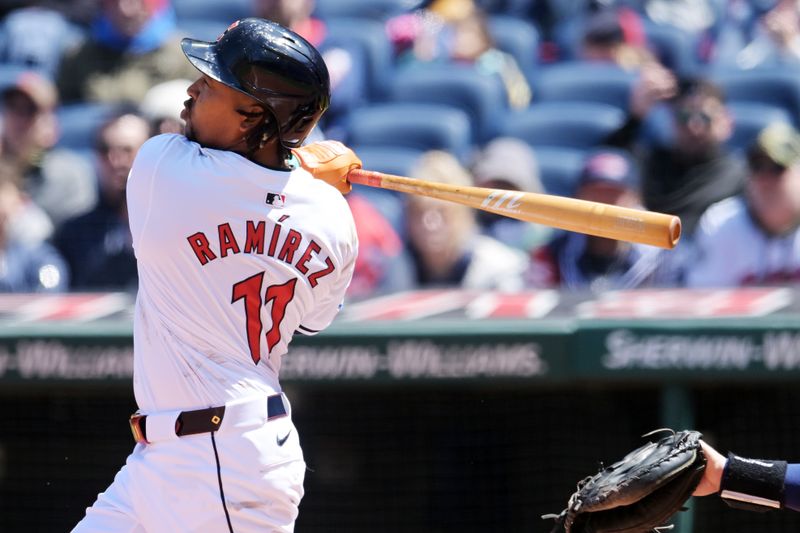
pixel 276 200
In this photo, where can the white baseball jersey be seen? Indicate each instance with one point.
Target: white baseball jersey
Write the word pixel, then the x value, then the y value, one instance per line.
pixel 233 258
pixel 731 250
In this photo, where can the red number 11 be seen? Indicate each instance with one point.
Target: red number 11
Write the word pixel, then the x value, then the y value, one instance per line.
pixel 279 295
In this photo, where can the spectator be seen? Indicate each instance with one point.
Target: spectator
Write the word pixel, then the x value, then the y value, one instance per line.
pixel 59 181
pixel 381 267
pixel 696 170
pixel 36 38
pixel 132 46
pixel 446 247
pixel 457 31
pixel 754 238
pixel 581 262
pixel 97 245
pixel 25 266
pixel 509 163
pixel 162 106
pixel 775 39
pixel 615 35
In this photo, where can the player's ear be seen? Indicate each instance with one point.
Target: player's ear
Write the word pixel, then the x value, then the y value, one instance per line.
pixel 251 116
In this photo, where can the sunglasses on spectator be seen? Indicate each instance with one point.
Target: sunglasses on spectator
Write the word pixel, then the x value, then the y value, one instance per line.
pixel 21 105
pixel 685 116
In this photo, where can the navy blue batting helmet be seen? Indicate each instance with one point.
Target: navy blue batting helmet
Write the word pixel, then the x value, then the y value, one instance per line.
pixel 275 66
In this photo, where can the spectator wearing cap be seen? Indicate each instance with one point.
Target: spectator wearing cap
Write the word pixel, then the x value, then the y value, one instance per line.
pixel 576 261
pixel 753 238
pixel 59 181
pixel 162 105
pixel 615 35
pixel 693 169
pixel 97 245
pixel 509 163
pixel 132 45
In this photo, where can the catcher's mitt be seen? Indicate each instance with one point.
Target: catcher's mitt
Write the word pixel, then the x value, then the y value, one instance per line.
pixel 639 493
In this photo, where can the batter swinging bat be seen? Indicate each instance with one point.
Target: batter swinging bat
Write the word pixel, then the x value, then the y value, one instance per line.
pixel 571 214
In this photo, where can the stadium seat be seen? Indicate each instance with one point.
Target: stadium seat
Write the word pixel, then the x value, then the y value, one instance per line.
pixel 517 37
pixel 418 126
pixel 390 160
pixel 579 125
pixel 370 36
pixel 583 81
pixel 774 86
pixel 226 11
pixel 749 118
pixel 78 124
pixel 374 9
pixel 481 96
pixel 559 169
pixel 9 73
pixel 202 28
pixel 674 48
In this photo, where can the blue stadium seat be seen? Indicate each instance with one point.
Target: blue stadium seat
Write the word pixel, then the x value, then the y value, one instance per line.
pixel 202 28
pixel 559 169
pixel 79 123
pixel 579 125
pixel 224 11
pixel 582 81
pixel 370 36
pixel 374 9
pixel 390 160
pixel 397 160
pixel 517 37
pixel 418 126
pixel 749 118
pixel 9 73
pixel 774 86
pixel 481 96
pixel 675 49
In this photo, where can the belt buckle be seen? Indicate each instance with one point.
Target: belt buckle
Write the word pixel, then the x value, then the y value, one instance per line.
pixel 136 427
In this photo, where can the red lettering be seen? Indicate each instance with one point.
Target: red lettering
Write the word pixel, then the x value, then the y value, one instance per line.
pixel 273 242
pixel 290 246
pixel 301 266
pixel 313 278
pixel 227 240
pixel 254 242
pixel 199 244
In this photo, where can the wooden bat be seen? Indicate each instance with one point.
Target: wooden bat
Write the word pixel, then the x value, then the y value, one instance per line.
pixel 592 218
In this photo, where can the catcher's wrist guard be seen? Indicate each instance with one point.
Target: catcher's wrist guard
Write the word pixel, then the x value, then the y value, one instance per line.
pixel 753 484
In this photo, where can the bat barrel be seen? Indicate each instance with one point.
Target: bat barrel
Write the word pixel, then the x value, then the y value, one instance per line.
pixel 592 218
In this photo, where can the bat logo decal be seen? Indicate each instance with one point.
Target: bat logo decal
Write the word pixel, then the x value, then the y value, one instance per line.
pixel 497 198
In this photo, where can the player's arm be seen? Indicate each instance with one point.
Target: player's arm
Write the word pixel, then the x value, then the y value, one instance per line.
pixel 329 161
pixel 752 484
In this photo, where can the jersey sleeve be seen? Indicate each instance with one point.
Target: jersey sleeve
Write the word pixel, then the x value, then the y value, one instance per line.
pixel 333 301
pixel 791 487
pixel 141 182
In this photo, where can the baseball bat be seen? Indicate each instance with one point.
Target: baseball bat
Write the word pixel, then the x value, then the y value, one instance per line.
pixel 592 218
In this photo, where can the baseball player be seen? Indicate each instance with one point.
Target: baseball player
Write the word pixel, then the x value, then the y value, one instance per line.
pixel 237 248
pixel 750 484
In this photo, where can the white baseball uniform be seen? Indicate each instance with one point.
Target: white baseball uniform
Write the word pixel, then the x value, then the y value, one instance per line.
pixel 233 258
pixel 731 250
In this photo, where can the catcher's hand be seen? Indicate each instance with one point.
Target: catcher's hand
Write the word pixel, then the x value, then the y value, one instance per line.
pixel 330 161
pixel 639 493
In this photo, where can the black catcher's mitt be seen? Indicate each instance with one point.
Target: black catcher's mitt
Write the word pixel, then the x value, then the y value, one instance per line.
pixel 639 493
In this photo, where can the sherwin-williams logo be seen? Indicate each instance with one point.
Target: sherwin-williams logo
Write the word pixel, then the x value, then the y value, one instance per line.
pixel 276 200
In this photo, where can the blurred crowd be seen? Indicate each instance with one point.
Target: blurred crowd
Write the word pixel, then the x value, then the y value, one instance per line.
pixel 683 107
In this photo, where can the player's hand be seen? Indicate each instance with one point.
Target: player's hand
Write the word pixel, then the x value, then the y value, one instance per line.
pixel 329 161
pixel 715 464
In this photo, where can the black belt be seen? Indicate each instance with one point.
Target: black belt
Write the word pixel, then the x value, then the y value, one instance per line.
pixel 201 420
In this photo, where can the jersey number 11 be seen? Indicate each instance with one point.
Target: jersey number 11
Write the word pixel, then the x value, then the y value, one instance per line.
pixel 250 290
